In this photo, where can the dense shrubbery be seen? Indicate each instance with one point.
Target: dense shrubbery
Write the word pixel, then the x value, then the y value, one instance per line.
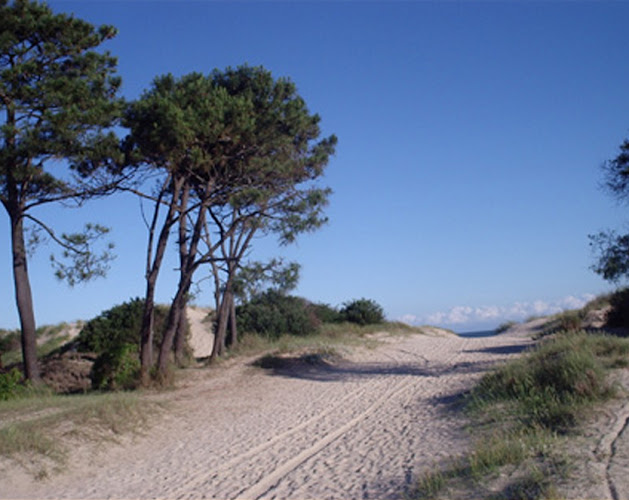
pixel 618 316
pixel 115 336
pixel 10 384
pixel 117 369
pixel 273 313
pixel 326 313
pixel 112 328
pixel 553 382
pixel 362 312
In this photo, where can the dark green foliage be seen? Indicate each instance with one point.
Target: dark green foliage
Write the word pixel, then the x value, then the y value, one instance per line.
pixel 612 255
pixel 253 278
pixel 58 102
pixel 613 249
pixel 273 314
pixel 325 313
pixel 362 312
pixel 10 384
pixel 618 315
pixel 118 326
pixel 117 369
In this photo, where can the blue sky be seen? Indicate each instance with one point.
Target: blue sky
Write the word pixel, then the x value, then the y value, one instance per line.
pixel 467 173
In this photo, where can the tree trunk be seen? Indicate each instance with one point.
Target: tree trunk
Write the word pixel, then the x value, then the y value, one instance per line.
pixel 147 333
pixel 169 335
pixel 232 332
pixel 180 335
pixel 24 298
pixel 221 329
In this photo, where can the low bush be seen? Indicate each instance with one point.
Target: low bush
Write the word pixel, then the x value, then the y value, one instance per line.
pixel 553 383
pixel 273 313
pixel 326 313
pixel 117 369
pixel 618 316
pixel 114 336
pixel 112 328
pixel 362 312
pixel 10 384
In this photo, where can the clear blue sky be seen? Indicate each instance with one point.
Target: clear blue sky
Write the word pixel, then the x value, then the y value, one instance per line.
pixel 467 173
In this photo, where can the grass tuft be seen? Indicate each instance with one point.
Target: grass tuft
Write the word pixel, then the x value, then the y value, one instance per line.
pixel 522 412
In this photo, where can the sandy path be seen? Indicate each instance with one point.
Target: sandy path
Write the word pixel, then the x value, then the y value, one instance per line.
pixel 361 428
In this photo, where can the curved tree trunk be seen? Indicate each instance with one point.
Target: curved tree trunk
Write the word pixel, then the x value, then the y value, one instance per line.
pixel 166 346
pixel 153 266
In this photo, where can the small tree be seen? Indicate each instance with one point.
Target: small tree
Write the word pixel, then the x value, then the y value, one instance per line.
pixel 613 249
pixel 57 100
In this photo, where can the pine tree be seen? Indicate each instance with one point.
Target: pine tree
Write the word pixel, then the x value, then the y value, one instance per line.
pixel 57 102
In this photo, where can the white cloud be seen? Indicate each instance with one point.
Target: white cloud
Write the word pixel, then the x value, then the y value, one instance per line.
pixel 466 315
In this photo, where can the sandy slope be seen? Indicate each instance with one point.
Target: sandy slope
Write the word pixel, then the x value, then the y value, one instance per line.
pixel 360 428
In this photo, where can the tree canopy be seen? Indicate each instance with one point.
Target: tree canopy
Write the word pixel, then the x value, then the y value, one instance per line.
pixel 57 102
pixel 239 152
pixel 612 249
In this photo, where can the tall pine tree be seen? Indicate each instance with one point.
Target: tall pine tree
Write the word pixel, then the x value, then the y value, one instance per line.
pixel 57 102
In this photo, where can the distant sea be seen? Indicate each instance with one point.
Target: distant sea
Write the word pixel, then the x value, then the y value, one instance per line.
pixel 482 333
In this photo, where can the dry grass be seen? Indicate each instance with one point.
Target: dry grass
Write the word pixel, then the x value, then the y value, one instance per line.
pixel 38 431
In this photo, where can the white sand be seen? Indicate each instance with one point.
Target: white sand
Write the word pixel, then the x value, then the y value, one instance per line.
pixel 361 428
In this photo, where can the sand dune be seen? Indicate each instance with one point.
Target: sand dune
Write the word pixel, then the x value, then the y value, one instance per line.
pixel 362 427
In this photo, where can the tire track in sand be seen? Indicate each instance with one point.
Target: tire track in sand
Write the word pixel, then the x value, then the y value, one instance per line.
pixel 401 387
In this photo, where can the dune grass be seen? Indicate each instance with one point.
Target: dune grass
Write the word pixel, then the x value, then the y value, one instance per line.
pixel 37 431
pixel 330 338
pixel 522 411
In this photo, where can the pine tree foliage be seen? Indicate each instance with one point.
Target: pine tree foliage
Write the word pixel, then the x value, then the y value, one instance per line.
pixel 57 104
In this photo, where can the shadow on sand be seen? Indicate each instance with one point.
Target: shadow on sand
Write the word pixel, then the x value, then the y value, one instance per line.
pixel 320 369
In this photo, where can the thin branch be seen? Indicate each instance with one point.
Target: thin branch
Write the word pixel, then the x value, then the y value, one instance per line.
pixel 55 238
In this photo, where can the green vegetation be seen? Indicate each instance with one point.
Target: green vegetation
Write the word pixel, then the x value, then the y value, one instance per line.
pixel 50 113
pixel 48 340
pixel 526 408
pixel 362 312
pixel 32 426
pixel 330 338
pixel 115 336
pixel 505 326
pixel 10 384
pixel 273 313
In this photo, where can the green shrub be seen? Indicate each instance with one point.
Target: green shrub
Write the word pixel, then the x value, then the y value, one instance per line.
pixel 9 342
pixel 570 321
pixel 326 313
pixel 120 325
pixel 113 328
pixel 362 312
pixel 503 327
pixel 117 369
pixel 618 315
pixel 553 382
pixel 10 384
pixel 273 313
